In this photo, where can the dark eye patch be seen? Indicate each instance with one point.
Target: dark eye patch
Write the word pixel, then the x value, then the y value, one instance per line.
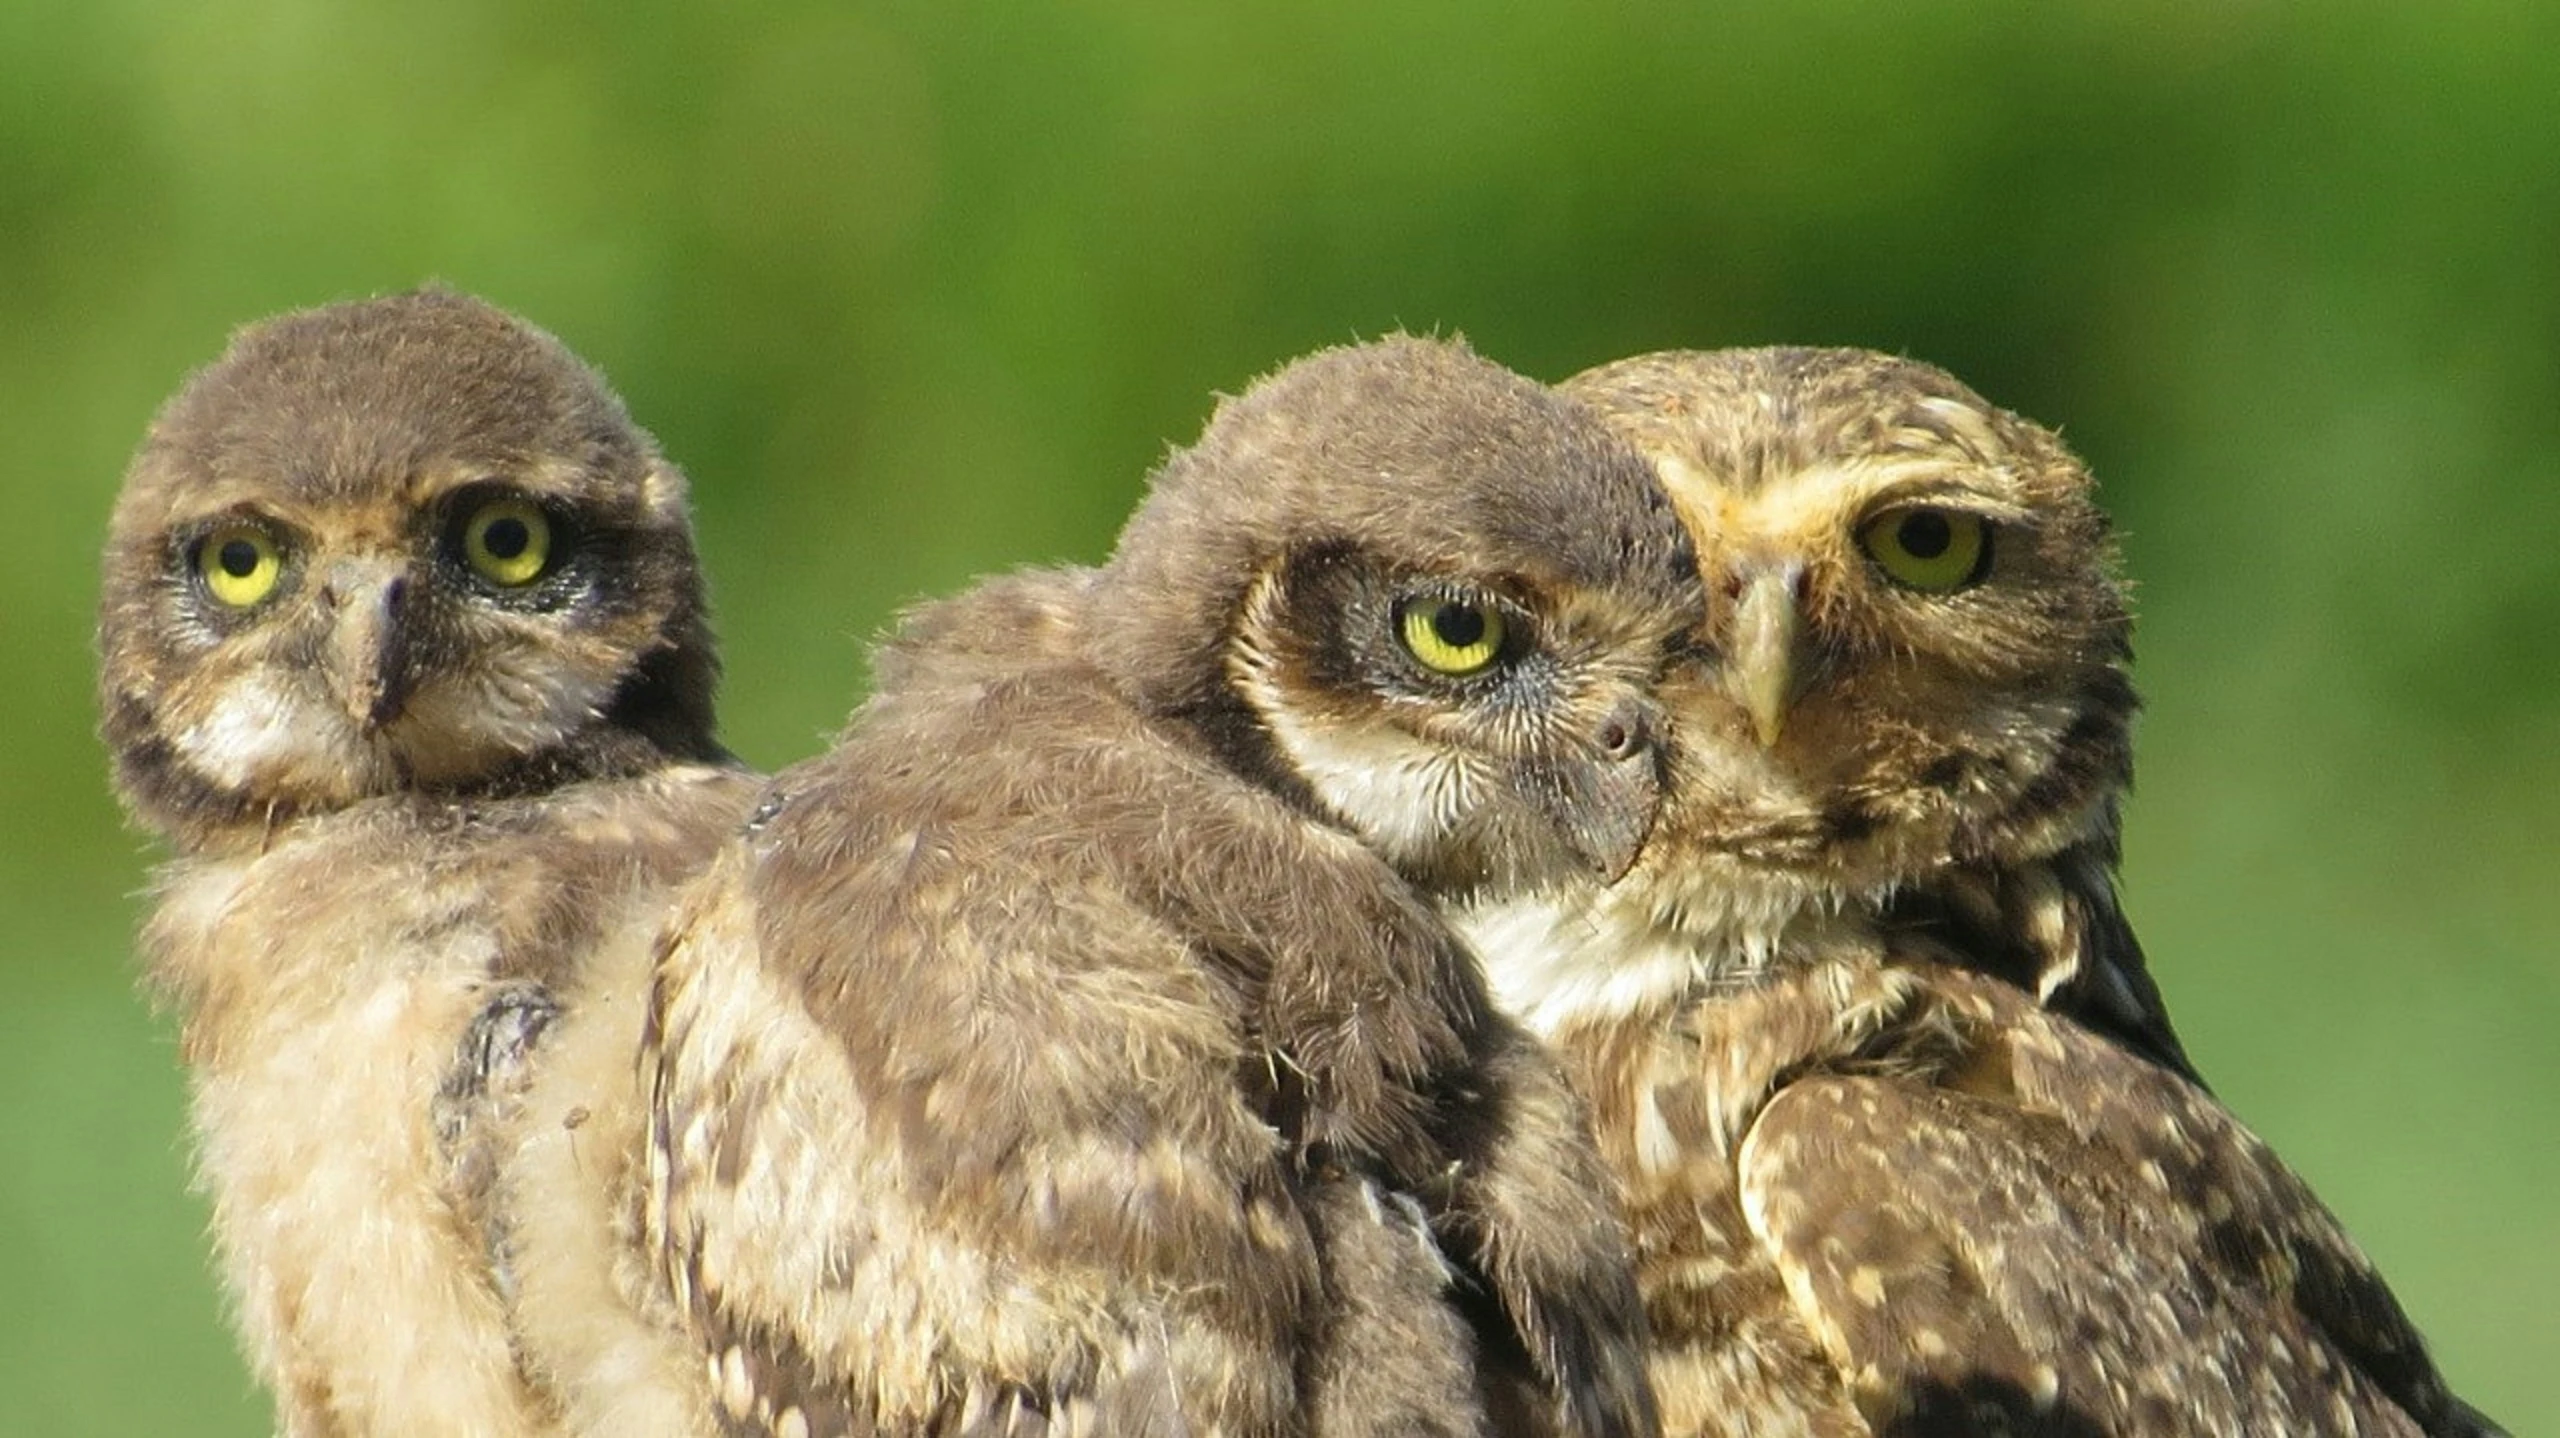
pixel 480 542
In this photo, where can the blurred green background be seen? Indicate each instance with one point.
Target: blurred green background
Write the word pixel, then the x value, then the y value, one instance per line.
pixel 919 290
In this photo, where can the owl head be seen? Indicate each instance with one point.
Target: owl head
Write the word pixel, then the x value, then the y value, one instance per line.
pixel 399 544
pixel 1915 647
pixel 1420 594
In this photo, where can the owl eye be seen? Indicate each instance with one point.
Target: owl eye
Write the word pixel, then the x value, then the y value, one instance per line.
pixel 507 542
pixel 1455 637
pixel 1936 551
pixel 239 565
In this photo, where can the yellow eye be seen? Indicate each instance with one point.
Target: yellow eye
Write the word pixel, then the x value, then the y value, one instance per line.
pixel 1450 636
pixel 507 542
pixel 239 565
pixel 1938 551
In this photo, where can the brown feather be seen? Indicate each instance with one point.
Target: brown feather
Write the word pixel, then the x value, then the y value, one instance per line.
pixel 1063 1051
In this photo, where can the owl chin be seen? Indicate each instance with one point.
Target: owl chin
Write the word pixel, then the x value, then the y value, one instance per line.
pixel 267 739
pixel 1580 952
pixel 452 737
pixel 284 744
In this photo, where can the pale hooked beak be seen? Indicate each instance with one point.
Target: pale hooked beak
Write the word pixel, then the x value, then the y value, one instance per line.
pixel 1760 651
pixel 369 646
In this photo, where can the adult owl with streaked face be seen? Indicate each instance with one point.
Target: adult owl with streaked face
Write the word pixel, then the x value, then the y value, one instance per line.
pixel 1905 1136
pixel 403 651
pixel 1920 694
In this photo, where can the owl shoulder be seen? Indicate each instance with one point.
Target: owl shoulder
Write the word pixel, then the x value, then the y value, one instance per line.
pixel 1987 1207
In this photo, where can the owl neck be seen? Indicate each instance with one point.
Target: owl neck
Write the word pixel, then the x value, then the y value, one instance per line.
pixel 1590 960
pixel 1585 955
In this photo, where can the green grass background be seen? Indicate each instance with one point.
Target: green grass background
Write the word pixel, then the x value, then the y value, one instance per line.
pixel 920 290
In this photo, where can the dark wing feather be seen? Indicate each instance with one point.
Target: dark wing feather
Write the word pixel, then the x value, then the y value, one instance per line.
pixel 2108 986
pixel 1532 1210
pixel 2056 931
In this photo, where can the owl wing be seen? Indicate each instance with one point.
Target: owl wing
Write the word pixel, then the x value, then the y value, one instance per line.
pixel 2099 976
pixel 956 1104
pixel 949 1230
pixel 2060 1234
pixel 546 1087
pixel 569 880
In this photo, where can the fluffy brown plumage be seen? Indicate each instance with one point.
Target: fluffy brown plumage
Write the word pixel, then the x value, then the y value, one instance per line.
pixel 403 651
pixel 1904 1134
pixel 1071 1050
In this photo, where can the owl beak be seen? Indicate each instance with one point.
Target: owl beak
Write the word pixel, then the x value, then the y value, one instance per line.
pixel 1604 804
pixel 370 647
pixel 1760 656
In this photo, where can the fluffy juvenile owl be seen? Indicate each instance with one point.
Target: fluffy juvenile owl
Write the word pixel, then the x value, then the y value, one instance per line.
pixel 1904 1135
pixel 403 652
pixel 1073 1049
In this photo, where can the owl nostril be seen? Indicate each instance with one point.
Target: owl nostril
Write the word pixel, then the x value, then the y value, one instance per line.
pixel 1622 735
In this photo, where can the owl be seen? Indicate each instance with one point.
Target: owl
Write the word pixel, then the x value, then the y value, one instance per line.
pixel 1905 1137
pixel 1074 1049
pixel 404 654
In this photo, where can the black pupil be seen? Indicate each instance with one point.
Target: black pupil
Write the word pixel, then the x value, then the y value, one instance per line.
pixel 1460 626
pixel 505 538
pixel 1926 535
pixel 238 558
